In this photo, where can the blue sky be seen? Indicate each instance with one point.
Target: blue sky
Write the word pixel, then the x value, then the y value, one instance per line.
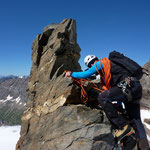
pixel 102 26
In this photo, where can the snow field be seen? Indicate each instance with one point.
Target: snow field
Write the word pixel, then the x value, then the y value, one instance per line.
pixel 9 135
pixel 145 114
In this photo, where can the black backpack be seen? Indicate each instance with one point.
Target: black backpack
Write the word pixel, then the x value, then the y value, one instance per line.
pixel 133 68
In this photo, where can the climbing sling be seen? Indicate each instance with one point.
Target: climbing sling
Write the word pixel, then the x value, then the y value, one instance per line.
pixel 106 74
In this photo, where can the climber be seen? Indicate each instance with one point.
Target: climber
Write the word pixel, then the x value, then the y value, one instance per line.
pixel 119 85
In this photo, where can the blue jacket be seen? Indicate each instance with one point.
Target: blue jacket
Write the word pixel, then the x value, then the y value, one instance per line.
pixel 88 73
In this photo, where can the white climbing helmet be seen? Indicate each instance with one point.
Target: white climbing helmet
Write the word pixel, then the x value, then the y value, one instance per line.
pixel 88 59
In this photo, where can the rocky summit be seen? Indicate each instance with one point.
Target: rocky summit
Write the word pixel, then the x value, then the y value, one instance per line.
pixel 56 118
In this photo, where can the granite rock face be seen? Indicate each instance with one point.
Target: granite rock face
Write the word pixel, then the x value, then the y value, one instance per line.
pixel 70 127
pixel 55 118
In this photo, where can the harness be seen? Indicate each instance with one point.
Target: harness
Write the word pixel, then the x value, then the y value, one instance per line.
pixel 104 82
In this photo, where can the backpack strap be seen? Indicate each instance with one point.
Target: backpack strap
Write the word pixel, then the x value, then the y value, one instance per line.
pixel 106 74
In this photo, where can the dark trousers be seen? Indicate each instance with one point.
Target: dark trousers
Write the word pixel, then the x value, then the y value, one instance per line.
pixel 132 108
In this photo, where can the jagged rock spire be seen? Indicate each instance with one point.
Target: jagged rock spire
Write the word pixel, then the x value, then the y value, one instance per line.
pixel 55 118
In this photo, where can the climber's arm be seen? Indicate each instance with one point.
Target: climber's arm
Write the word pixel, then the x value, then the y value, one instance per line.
pixel 88 73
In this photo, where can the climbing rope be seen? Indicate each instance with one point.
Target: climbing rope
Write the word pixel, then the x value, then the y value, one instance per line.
pixel 81 83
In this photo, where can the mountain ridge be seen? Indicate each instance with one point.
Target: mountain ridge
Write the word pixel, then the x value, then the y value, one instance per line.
pixel 12 99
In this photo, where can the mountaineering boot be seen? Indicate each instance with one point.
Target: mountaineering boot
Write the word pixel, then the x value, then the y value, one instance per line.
pixel 129 141
pixel 120 134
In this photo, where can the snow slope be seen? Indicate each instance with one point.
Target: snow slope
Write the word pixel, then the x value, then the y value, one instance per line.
pixel 9 135
pixel 145 114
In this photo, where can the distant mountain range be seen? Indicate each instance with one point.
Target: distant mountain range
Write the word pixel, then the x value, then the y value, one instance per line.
pixel 12 76
pixel 13 99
